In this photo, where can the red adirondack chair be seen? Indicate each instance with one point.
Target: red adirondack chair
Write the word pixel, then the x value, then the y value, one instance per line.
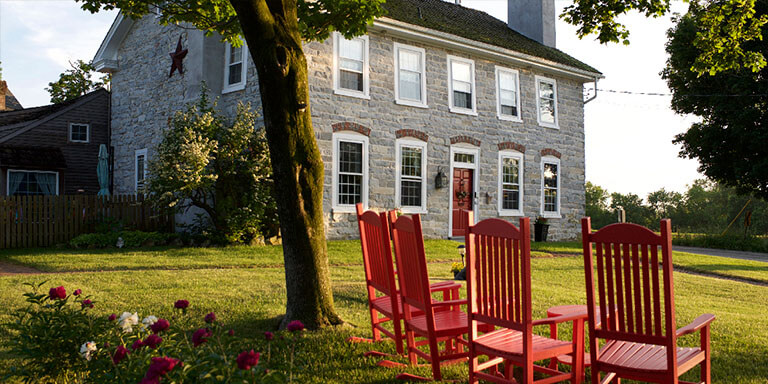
pixel 638 334
pixel 383 297
pixel 440 321
pixel 499 293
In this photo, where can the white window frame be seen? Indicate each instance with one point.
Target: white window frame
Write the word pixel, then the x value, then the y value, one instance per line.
pixel 556 161
pixel 139 152
pixel 365 94
pixel 499 113
pixel 413 103
pixel 243 79
pixel 8 178
pixel 520 164
pixel 451 107
pixel 410 142
pixel 546 80
pixel 355 138
pixel 87 133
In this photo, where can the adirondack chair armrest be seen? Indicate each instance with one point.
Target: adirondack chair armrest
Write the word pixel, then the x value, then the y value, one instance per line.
pixel 559 319
pixel 444 286
pixel 449 303
pixel 697 324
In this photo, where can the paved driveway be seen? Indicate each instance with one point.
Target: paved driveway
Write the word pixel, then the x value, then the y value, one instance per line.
pixel 724 253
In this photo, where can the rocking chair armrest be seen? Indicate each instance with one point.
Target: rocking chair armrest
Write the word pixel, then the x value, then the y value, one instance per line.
pixel 560 319
pixel 697 324
pixel 449 303
pixel 444 286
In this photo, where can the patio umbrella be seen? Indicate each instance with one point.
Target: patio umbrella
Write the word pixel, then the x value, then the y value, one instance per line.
pixel 102 171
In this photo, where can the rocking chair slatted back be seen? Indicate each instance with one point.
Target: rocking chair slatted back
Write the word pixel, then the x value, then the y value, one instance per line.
pixel 377 254
pixel 411 261
pixel 499 273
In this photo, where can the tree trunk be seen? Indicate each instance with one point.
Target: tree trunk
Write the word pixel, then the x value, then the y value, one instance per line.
pixel 271 29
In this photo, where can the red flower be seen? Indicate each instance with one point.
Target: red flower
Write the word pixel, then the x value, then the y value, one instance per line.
pixel 231 332
pixel 160 325
pixel 295 325
pixel 269 335
pixel 86 303
pixel 137 344
pixel 77 292
pixel 181 304
pixel 200 336
pixel 153 341
pixel 58 293
pixel 247 360
pixel 112 317
pixel 159 367
pixel 210 318
pixel 120 353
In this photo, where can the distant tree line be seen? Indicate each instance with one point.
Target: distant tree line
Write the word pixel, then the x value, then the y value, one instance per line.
pixel 706 207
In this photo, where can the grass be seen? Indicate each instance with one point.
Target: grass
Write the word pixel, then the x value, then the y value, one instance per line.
pixel 750 270
pixel 250 294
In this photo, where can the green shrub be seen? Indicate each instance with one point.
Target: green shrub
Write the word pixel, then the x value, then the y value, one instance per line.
pixel 727 241
pixel 131 239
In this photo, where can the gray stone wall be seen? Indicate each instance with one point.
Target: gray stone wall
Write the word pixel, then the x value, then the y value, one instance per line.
pixel 144 98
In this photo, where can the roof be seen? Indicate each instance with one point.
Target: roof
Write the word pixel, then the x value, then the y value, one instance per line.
pixel 11 103
pixel 29 157
pixel 475 25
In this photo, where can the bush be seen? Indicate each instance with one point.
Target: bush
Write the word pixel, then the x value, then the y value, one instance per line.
pixel 57 338
pixel 727 241
pixel 131 239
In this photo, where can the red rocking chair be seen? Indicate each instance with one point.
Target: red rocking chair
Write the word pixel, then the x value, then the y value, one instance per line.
pixel 638 334
pixel 383 297
pixel 499 293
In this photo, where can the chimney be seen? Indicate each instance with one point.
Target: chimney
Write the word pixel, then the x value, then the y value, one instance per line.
pixel 3 90
pixel 534 19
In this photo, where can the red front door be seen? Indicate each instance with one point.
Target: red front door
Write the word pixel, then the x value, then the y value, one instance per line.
pixel 463 196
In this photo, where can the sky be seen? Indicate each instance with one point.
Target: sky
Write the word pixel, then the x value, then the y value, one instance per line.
pixel 628 136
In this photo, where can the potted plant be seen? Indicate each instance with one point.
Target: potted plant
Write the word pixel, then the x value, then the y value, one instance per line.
pixel 540 229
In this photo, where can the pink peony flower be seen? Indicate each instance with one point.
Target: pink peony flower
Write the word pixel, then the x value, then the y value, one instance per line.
pixel 160 325
pixel 159 367
pixel 77 292
pixel 120 353
pixel 87 303
pixel 137 344
pixel 112 317
pixel 153 340
pixel 181 304
pixel 200 336
pixel 247 360
pixel 210 318
pixel 58 293
pixel 295 325
pixel 231 332
pixel 269 335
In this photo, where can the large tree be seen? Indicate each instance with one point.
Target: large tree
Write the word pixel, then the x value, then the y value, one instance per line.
pixel 75 82
pixel 730 139
pixel 274 31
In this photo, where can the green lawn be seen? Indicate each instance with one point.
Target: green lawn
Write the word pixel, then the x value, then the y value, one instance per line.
pixel 250 299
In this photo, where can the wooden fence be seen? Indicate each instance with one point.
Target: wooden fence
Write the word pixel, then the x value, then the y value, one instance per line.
pixel 40 221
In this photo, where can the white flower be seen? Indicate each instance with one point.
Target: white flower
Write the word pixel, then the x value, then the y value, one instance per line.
pixel 87 349
pixel 149 320
pixel 127 321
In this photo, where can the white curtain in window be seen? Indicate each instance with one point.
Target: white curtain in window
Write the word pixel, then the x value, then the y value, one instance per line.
pixel 14 180
pixel 46 182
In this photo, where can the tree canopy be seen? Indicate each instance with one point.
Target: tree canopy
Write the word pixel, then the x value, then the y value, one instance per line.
pixel 75 82
pixel 729 140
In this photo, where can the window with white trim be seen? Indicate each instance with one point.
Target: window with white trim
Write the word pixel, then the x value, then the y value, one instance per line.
pixel 510 183
pixel 79 133
pixel 350 60
pixel 507 94
pixel 350 171
pixel 411 192
pixel 235 67
pixel 461 83
pixel 550 186
pixel 410 76
pixel 546 102
pixel 22 183
pixel 140 163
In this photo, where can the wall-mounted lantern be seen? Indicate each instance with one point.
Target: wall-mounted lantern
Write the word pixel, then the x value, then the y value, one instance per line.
pixel 441 180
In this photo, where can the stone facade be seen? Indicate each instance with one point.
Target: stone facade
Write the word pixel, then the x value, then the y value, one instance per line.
pixel 144 98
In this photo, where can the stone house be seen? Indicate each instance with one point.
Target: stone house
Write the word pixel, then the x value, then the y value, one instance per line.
pixel 438 108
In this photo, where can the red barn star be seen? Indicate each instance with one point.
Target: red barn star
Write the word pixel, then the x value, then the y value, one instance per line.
pixel 177 59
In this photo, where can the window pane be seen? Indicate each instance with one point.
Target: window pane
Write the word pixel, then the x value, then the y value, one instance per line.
pixel 507 81
pixel 235 55
pixel 410 61
pixel 510 174
pixel 351 49
pixel 410 161
pixel 235 73
pixel 464 158
pixel 350 157
pixel 546 90
pixel 410 193
pixel 462 87
pixel 79 132
pixel 410 85
pixel 351 80
pixel 547 110
pixel 550 200
pixel 461 72
pixel 351 65
pixel 462 99
pixel 350 189
pixel 550 175
pixel 511 198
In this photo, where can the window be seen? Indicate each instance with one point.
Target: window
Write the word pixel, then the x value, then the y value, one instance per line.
pixel 510 183
pixel 235 68
pixel 466 158
pixel 32 183
pixel 507 94
pixel 461 83
pixel 550 187
pixel 411 192
pixel 410 78
pixel 350 62
pixel 350 171
pixel 141 170
pixel 546 102
pixel 79 133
